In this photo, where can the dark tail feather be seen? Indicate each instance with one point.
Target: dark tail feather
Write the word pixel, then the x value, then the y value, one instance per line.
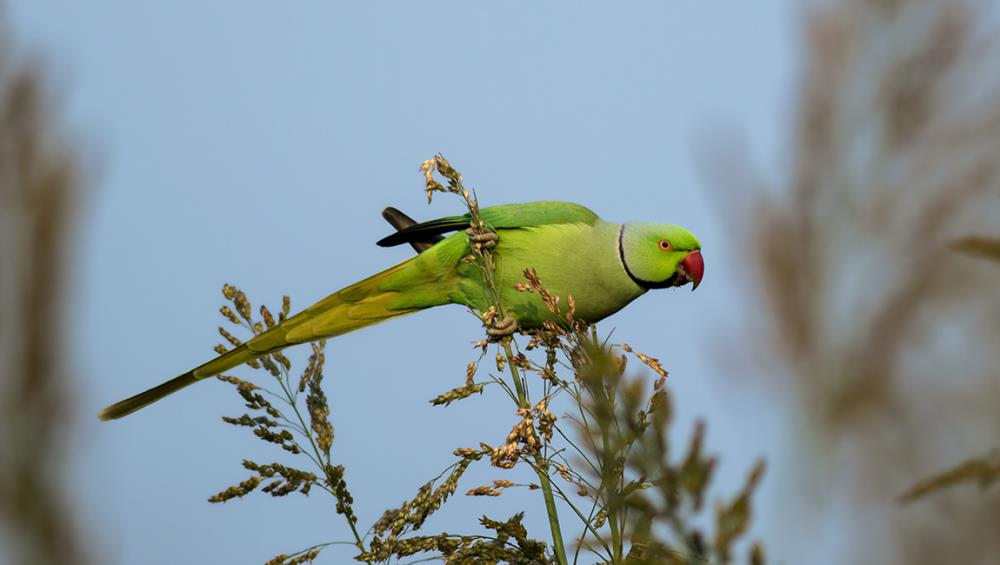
pixel 401 221
pixel 397 218
pixel 143 399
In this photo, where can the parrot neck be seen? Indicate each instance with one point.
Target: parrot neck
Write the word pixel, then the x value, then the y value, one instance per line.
pixel 642 283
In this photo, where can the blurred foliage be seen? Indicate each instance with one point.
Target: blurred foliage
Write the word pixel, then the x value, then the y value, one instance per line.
pixel 981 246
pixel 645 497
pixel 881 337
pixel 984 470
pixel 39 189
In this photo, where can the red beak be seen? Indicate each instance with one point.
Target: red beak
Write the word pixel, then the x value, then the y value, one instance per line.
pixel 694 266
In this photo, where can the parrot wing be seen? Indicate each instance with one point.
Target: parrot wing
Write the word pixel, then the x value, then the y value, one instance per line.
pixel 507 216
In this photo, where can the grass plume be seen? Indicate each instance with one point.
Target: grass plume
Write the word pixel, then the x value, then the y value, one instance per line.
pixel 40 189
pixel 871 313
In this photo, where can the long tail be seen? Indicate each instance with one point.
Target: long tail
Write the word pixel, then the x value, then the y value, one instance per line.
pixel 357 306
pixel 224 362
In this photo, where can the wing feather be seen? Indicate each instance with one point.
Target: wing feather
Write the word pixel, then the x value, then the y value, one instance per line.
pixel 506 216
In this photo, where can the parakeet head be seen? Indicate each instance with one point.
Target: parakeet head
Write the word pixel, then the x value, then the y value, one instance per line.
pixel 660 255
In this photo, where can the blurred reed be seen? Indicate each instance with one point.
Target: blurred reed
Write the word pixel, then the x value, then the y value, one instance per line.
pixel 881 336
pixel 40 187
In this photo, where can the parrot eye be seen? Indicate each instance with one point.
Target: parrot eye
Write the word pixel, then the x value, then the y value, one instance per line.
pixel 664 245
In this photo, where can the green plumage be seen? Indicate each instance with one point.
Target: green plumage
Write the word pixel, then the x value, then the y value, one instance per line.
pixel 603 266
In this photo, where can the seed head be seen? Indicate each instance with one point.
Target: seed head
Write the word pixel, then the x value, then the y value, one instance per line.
pixel 485 490
pixel 268 318
pixel 242 305
pixel 228 313
pixel 286 306
pixel 233 340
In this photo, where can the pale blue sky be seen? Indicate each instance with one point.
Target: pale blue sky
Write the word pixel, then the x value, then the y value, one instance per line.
pixel 257 142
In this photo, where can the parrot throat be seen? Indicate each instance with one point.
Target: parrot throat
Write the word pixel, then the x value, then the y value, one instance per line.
pixel 644 284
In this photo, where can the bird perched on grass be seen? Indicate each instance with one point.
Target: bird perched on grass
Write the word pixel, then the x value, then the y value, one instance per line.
pixel 603 266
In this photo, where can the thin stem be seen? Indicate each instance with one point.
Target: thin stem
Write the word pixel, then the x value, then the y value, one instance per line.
pixel 488 270
pixel 522 394
pixel 583 536
pixel 550 507
pixel 610 485
pixel 577 448
pixel 506 388
pixel 541 464
pixel 319 458
pixel 586 522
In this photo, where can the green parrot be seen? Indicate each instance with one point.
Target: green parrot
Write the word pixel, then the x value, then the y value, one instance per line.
pixel 604 266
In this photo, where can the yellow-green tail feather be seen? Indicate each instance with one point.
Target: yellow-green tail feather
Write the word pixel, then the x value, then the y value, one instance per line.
pixel 125 407
pixel 359 305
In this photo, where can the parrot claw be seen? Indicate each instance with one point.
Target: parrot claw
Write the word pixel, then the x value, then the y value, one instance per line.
pixel 501 329
pixel 482 239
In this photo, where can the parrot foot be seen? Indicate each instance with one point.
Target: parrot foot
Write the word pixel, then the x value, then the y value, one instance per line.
pixel 500 329
pixel 482 239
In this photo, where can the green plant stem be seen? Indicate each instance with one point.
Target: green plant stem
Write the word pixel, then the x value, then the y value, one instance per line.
pixel 612 488
pixel 354 530
pixel 487 267
pixel 522 394
pixel 541 465
pixel 550 507
pixel 587 525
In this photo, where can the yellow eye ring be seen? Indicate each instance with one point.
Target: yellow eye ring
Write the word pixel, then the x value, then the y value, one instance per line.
pixel 664 245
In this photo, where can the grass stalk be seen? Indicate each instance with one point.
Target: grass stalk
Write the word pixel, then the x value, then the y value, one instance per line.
pixel 541 464
pixel 484 257
pixel 320 459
